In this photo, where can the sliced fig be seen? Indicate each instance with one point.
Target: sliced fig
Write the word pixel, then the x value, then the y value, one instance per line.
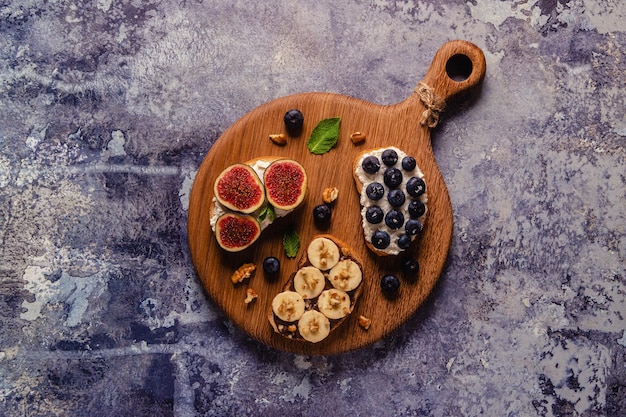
pixel 235 232
pixel 239 188
pixel 285 184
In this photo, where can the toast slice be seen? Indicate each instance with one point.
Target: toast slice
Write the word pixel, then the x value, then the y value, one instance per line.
pixel 321 294
pixel 266 214
pixel 393 199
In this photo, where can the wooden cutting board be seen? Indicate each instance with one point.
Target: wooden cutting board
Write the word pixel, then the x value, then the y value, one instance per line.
pixel 457 67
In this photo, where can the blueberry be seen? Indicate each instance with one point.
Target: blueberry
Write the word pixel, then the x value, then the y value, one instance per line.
pixel 410 267
pixel 415 186
pixel 375 191
pixel 408 163
pixel 293 121
pixel 370 164
pixel 380 239
pixel 271 265
pixel 389 157
pixel 396 198
pixel 321 213
pixel 404 241
pixel 416 209
pixel 390 284
pixel 374 214
pixel 392 177
pixel 394 219
pixel 412 227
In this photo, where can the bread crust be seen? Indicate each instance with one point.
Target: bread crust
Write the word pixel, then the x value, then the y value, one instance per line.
pixel 355 164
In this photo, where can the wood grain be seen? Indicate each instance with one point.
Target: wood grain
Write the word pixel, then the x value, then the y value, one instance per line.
pixel 384 125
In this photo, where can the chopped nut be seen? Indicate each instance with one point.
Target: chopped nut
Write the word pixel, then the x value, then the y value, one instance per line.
pixel 336 299
pixel 287 307
pixel 357 137
pixel 314 325
pixel 278 139
pixel 364 322
pixel 244 272
pixel 251 295
pixel 330 194
pixel 292 328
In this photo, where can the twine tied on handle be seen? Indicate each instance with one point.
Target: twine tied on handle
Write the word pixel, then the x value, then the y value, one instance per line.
pixel 434 105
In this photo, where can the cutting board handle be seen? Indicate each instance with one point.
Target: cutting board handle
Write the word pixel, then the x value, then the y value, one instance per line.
pixel 457 67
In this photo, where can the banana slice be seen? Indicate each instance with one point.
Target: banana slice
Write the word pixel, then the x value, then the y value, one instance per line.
pixel 334 303
pixel 313 326
pixel 323 253
pixel 309 282
pixel 346 275
pixel 288 306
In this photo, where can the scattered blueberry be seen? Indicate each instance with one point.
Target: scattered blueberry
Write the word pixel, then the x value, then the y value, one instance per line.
pixel 380 239
pixel 410 267
pixel 404 241
pixel 412 227
pixel 408 163
pixel 416 209
pixel 393 177
pixel 415 186
pixel 396 198
pixel 293 121
pixel 321 213
pixel 390 284
pixel 370 164
pixel 375 191
pixel 374 215
pixel 394 219
pixel 389 157
pixel 271 265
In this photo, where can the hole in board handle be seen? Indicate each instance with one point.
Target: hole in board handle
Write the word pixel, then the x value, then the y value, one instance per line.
pixel 459 67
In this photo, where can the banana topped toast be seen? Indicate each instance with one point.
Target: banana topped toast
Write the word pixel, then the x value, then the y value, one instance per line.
pixel 321 294
pixel 393 199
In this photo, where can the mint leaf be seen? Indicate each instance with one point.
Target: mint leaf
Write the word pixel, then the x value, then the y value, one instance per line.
pixel 324 136
pixel 268 212
pixel 291 242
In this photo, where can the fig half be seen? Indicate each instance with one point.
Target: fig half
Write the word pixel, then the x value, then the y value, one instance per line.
pixel 239 188
pixel 285 184
pixel 235 232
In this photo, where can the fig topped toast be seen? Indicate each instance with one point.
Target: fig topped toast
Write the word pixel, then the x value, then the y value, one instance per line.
pixel 249 196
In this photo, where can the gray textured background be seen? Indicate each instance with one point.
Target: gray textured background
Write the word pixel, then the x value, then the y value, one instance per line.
pixel 108 108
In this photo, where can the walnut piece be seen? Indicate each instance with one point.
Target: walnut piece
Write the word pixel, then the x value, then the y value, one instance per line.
pixel 243 272
pixel 251 295
pixel 357 137
pixel 336 299
pixel 364 322
pixel 278 139
pixel 330 194
pixel 287 307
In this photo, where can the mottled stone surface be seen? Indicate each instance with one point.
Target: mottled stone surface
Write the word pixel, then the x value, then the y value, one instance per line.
pixel 107 109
